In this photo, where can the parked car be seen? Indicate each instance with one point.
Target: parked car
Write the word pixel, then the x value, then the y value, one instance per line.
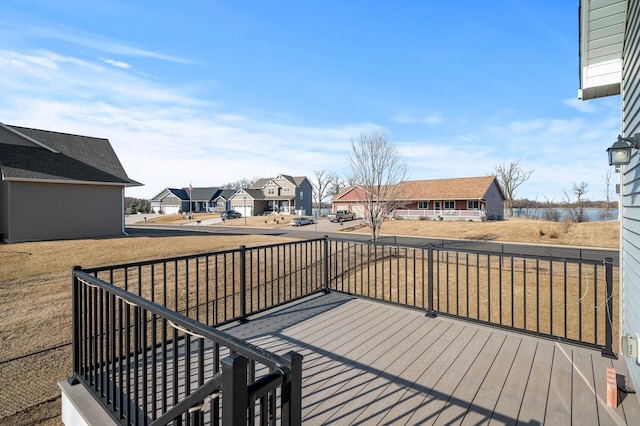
pixel 299 221
pixel 230 214
pixel 341 216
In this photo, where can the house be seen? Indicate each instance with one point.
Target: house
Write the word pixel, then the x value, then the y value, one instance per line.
pixel 174 200
pixel 282 194
pixel 222 201
pixel 609 54
pixel 472 198
pixel 59 186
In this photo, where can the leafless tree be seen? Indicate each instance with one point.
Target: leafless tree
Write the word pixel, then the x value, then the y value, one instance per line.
pixel 550 211
pixel 378 170
pixel 576 209
pixel 607 194
pixel 239 184
pixel 322 183
pixel 336 186
pixel 511 176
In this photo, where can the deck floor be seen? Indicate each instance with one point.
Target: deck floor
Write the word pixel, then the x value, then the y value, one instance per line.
pixel 370 363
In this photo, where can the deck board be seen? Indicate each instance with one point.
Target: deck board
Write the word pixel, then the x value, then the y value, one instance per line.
pixel 372 363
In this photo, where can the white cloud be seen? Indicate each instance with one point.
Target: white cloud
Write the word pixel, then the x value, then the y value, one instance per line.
pixel 117 64
pixel 582 106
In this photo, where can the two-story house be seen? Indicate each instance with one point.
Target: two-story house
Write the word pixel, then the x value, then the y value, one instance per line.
pixel 282 194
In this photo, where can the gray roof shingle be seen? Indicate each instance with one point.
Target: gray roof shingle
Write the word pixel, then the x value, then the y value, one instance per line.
pixel 79 158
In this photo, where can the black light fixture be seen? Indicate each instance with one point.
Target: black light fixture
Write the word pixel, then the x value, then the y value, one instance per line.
pixel 620 151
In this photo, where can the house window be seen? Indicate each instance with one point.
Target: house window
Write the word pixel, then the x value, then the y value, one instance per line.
pixel 423 204
pixel 270 191
pixel 449 205
pixel 285 189
pixel 473 205
pixel 301 193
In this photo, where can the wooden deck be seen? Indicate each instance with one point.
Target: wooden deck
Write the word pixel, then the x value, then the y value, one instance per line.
pixel 371 363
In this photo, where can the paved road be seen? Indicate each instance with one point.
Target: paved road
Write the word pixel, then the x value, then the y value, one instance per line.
pixel 324 227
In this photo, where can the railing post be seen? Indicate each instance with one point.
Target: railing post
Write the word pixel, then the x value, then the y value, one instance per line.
pixel 235 393
pixel 430 311
pixel 75 326
pixel 326 264
pixel 607 351
pixel 243 284
pixel 292 392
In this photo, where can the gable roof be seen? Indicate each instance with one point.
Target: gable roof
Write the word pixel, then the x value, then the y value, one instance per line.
pixel 203 194
pixel 447 189
pixel 61 157
pixel 260 183
pixel 225 194
pixel 472 188
pixel 254 193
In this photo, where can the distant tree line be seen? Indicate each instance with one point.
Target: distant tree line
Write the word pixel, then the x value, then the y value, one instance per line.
pixel 136 205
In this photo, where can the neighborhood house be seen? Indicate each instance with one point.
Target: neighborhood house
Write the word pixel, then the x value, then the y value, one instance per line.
pixel 473 198
pixel 76 181
pixel 282 194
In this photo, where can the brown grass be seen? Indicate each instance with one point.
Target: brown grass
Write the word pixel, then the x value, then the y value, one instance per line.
pixel 35 305
pixel 519 230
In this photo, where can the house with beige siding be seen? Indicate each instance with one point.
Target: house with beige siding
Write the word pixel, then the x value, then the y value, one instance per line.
pixel 609 48
pixel 59 186
pixel 281 194
pixel 472 198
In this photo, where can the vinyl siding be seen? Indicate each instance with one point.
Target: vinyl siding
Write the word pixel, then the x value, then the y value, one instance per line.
pixel 630 244
pixel 49 211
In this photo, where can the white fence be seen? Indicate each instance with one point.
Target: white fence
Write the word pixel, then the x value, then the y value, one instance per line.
pixel 424 214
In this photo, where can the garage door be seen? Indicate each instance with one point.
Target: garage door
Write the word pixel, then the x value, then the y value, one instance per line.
pixel 358 210
pixel 170 209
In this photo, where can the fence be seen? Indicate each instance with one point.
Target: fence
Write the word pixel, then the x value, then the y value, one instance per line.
pixel 424 214
pixel 566 299
pixel 143 336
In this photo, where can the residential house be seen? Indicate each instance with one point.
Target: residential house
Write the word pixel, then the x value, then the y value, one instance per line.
pixel 609 56
pixel 472 198
pixel 282 194
pixel 183 200
pixel 222 200
pixel 59 186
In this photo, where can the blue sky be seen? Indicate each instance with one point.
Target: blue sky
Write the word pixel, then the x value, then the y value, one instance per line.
pixel 210 92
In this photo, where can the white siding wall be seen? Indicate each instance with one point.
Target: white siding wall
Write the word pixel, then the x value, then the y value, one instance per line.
pixel 630 249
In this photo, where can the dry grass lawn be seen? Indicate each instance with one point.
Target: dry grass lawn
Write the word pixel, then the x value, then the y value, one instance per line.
pixel 519 230
pixel 35 290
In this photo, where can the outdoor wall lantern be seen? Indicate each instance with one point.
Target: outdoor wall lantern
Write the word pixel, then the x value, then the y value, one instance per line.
pixel 620 151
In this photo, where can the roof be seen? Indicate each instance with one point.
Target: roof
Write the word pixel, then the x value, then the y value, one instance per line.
pixel 254 193
pixel 203 194
pixel 602 28
pixel 447 189
pixel 226 193
pixel 470 188
pixel 61 157
pixel 260 183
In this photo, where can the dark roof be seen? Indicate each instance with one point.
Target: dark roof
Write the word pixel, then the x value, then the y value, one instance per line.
pixel 203 194
pixel 78 158
pixel 226 193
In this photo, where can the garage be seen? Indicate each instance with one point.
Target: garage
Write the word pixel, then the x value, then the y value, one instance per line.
pixel 358 210
pixel 170 209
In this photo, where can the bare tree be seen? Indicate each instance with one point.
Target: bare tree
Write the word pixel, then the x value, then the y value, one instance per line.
pixel 378 170
pixel 576 210
pixel 550 211
pixel 607 194
pixel 336 186
pixel 322 184
pixel 511 176
pixel 239 184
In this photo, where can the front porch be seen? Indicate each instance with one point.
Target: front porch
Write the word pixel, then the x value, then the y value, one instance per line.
pixel 530 350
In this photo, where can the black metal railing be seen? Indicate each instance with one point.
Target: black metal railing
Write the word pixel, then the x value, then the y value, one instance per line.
pixel 149 365
pixel 225 286
pixel 143 340
pixel 565 299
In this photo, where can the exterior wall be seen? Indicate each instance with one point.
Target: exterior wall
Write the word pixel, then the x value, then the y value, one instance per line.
pixel 630 176
pixel 49 211
pixel 494 202
pixel 304 197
